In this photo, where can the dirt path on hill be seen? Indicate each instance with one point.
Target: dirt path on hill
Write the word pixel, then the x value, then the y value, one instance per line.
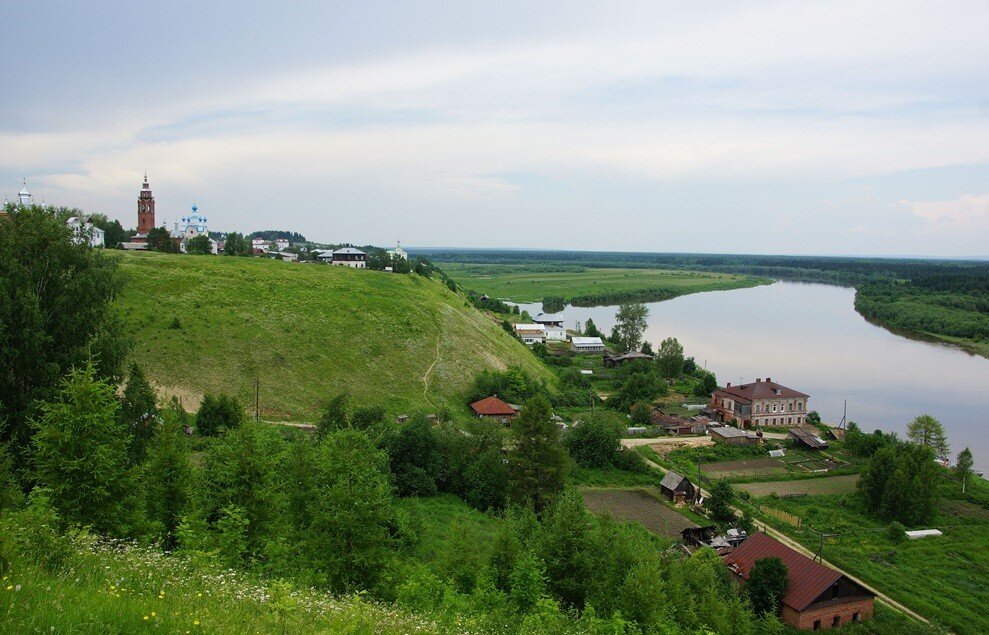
pixel 796 546
pixel 429 371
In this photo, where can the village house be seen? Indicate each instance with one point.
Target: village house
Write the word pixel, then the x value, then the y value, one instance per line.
pixel 345 257
pixel 494 408
pixel 85 232
pixel 808 437
pixel 733 436
pixel 678 488
pixel 817 596
pixel 760 403
pixel 555 333
pixel 551 319
pixel 587 344
pixel 531 333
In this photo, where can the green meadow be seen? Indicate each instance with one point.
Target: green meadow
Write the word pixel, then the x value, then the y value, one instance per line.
pixel 306 332
pixel 590 286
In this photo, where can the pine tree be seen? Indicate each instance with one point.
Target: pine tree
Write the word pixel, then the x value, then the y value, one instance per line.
pixel 168 475
pixel 139 411
pixel 537 462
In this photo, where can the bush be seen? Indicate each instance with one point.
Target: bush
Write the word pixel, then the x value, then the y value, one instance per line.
pixel 218 413
pixel 596 440
pixel 414 458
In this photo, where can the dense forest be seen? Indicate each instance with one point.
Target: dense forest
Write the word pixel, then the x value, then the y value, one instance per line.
pixel 946 299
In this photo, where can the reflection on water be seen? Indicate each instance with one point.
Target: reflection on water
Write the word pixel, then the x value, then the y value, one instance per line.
pixel 809 337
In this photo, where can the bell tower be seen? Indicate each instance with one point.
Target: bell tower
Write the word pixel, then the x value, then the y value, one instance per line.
pixel 145 209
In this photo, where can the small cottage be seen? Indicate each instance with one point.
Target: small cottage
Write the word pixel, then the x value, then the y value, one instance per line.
pixel 678 488
pixel 494 408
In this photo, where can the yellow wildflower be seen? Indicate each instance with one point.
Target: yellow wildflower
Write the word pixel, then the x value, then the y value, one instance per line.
pixel 153 614
pixel 10 587
pixel 145 617
pixel 196 622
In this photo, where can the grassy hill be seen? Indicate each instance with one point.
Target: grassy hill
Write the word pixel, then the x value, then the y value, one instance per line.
pixel 208 323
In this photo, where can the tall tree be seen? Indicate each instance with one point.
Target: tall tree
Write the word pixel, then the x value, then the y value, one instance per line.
pixel 160 239
pixel 56 313
pixel 926 430
pixel 669 360
pixel 139 411
pixel 766 585
pixel 537 462
pixel 199 245
pixel 168 475
pixel 80 454
pixel 963 467
pixel 414 458
pixel 631 324
pixel 334 415
pixel 236 245
pixel 720 501
pixel 348 539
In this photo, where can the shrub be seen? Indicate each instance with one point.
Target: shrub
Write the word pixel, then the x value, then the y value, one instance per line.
pixel 595 441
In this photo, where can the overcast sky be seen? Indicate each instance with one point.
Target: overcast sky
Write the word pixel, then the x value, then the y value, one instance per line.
pixel 838 128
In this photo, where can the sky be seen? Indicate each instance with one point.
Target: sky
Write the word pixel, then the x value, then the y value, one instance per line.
pixel 793 128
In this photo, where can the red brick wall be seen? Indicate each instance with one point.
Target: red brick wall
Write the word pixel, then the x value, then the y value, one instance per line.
pixel 805 619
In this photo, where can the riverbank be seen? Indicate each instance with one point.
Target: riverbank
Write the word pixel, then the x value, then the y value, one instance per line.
pixel 588 286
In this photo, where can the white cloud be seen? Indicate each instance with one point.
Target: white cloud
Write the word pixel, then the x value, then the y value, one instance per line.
pixel 961 216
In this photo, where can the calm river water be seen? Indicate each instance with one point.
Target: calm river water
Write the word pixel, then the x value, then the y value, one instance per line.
pixel 809 337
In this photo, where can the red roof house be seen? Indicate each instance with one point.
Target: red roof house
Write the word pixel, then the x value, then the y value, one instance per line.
pixel 760 403
pixel 817 597
pixel 494 408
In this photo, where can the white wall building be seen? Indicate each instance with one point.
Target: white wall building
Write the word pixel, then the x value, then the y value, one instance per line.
pixel 531 333
pixel 555 333
pixel 83 231
pixel 398 252
pixel 24 197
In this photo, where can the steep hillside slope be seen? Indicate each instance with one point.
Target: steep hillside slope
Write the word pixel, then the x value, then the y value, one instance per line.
pixel 208 323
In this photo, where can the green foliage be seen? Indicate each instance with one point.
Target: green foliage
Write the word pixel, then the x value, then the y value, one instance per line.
pixel 669 360
pixel 766 585
pixel 866 445
pixel 334 415
pixel 513 385
pixel 963 467
pixel 813 418
pixel 591 329
pixel 414 456
pixel 236 245
pixel 199 246
pixel 168 476
pixel 241 482
pixel 537 462
pixel 926 430
pixel 80 455
pixel 473 467
pixel 596 440
pixel 160 239
pixel 900 483
pixel 34 533
pixel 720 502
pixel 631 324
pixel 347 538
pixel 641 413
pixel 56 313
pixel 138 411
pixel 113 231
pixel 218 413
pixel 636 386
pixel 708 384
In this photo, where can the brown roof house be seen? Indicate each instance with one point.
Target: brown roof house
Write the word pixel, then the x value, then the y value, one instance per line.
pixel 760 403
pixel 494 408
pixel 817 596
pixel 733 436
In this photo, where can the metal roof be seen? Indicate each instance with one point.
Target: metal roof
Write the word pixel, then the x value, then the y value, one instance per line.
pixel 759 389
pixel 671 480
pixel 730 432
pixel 587 341
pixel 492 407
pixel 808 579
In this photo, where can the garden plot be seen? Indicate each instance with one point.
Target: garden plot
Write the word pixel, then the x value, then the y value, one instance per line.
pixel 801 487
pixel 637 506
pixel 743 469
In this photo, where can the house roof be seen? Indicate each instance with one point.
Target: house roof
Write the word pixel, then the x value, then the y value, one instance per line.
pixel 810 437
pixel 671 480
pixel 808 579
pixel 759 389
pixel 587 341
pixel 349 250
pixel 729 432
pixel 530 327
pixel 630 355
pixel 549 317
pixel 492 407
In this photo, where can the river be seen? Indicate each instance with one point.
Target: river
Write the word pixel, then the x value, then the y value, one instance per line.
pixel 809 337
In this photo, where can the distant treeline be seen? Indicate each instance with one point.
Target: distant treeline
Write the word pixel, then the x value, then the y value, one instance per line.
pixel 276 234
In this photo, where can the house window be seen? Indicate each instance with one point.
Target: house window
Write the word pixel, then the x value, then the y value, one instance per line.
pixel 836 621
pixel 817 625
pixel 856 617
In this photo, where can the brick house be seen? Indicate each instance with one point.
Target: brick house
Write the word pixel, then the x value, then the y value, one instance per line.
pixel 817 597
pixel 760 403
